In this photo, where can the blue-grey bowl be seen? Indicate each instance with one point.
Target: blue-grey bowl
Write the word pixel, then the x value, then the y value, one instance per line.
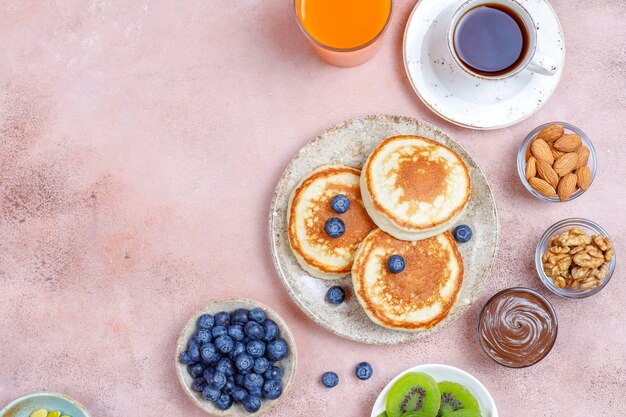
pixel 24 406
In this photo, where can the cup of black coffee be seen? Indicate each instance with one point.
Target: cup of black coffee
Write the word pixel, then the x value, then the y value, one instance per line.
pixel 496 39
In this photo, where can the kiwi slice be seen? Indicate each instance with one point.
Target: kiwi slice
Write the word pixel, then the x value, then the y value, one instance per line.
pixel 416 414
pixel 455 397
pixel 414 391
pixel 464 413
pixel 383 414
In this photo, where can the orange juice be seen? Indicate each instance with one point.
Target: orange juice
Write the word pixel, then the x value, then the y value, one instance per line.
pixel 343 24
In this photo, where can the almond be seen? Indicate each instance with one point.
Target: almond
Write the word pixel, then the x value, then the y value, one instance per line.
pixel 568 143
pixel 551 133
pixel 546 173
pixel 583 175
pixel 565 164
pixel 531 167
pixel 542 187
pixel 541 151
pixel 528 153
pixel 556 153
pixel 583 156
pixel 567 186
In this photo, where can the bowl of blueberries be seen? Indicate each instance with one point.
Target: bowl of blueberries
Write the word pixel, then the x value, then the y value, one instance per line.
pixel 235 357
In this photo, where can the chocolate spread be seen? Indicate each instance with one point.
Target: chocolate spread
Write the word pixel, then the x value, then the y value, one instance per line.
pixel 517 327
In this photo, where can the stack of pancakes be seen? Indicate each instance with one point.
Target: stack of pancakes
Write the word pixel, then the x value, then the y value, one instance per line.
pixel 407 196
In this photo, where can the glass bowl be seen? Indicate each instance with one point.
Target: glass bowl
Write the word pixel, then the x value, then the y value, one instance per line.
pixel 521 159
pixel 590 228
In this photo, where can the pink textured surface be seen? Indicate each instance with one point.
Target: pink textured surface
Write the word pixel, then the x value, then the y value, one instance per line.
pixel 140 143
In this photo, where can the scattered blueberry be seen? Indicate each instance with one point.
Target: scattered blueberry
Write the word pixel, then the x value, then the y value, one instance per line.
pixel 340 203
pixel 222 319
pixel 203 336
pixel 255 348
pixel 225 366
pixel 239 394
pixel 209 353
pixel 224 344
pixel 253 380
pixel 277 350
pixel 206 321
pixel 364 371
pixel 335 295
pixel 271 330
pixel 273 373
pixel 395 264
pixel 462 233
pixel 330 379
pixel 244 362
pixel 218 331
pixel 185 358
pixel 257 315
pixel 251 403
pixel 238 349
pixel 224 402
pixel 272 389
pixel 217 381
pixel 239 316
pixel 211 394
pixel 254 330
pixel 235 331
pixel 261 365
pixel 334 227
pixel 199 384
pixel 195 370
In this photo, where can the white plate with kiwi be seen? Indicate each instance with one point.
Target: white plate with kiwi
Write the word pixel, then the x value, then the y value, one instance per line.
pixel 434 389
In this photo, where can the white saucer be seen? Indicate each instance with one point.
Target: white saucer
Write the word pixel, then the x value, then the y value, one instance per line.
pixel 445 373
pixel 467 101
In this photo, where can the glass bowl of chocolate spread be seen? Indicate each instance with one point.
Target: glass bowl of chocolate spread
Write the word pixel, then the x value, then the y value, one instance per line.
pixel 517 327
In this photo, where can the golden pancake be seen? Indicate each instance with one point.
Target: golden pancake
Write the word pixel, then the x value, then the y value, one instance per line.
pixel 309 208
pixel 414 187
pixel 422 294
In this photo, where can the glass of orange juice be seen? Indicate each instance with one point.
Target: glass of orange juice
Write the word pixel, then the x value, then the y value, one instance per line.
pixel 345 33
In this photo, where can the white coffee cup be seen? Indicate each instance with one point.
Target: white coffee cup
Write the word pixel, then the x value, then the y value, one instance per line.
pixel 532 60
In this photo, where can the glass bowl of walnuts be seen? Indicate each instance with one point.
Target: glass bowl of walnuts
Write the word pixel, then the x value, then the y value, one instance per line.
pixel 556 162
pixel 575 258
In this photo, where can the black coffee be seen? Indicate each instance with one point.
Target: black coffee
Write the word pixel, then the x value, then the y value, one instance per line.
pixel 491 39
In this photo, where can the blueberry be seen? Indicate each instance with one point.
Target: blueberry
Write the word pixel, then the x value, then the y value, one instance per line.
pixel 254 330
pixel 395 264
pixel 244 362
pixel 222 319
pixel 462 233
pixel 209 353
pixel 199 384
pixel 224 344
pixel 185 358
pixel 340 203
pixel 230 385
pixel 217 381
pixel 261 365
pixel 256 314
pixel 239 316
pixel 193 349
pixel 255 348
pixel 335 295
pixel 218 331
pixel 255 391
pixel 225 366
pixel 334 227
pixel 224 402
pixel 203 336
pixel 272 389
pixel 251 403
pixel 239 394
pixel 206 321
pixel 364 371
pixel 239 379
pixel 273 373
pixel 330 379
pixel 238 349
pixel 271 330
pixel 211 394
pixel 235 331
pixel 195 370
pixel 208 373
pixel 277 350
pixel 253 380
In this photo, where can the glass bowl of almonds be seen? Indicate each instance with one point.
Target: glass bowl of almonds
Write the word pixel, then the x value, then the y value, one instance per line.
pixel 575 258
pixel 556 162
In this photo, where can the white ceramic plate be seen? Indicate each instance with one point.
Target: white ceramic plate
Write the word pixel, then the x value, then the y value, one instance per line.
pixel 350 143
pixel 288 365
pixel 467 101
pixel 445 373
